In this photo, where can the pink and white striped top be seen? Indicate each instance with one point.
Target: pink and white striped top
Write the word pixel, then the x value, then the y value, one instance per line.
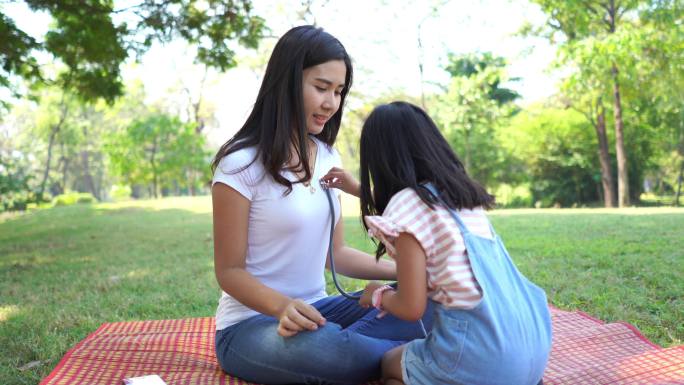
pixel 450 278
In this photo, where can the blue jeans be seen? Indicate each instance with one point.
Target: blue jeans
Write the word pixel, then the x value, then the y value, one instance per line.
pixel 346 350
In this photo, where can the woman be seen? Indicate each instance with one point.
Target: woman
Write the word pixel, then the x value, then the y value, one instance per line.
pixel 275 322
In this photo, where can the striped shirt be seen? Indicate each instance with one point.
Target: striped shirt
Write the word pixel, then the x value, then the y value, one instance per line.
pixel 450 278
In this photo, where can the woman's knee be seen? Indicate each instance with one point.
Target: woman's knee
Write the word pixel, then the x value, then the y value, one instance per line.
pixel 332 354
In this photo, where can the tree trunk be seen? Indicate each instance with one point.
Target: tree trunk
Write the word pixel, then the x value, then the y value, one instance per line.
pixel 621 155
pixel 85 158
pixel 604 158
pixel 679 183
pixel 191 182
pixel 51 142
pixel 154 169
pixel 90 184
pixel 65 171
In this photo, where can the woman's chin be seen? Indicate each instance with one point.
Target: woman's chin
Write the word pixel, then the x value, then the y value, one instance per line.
pixel 315 129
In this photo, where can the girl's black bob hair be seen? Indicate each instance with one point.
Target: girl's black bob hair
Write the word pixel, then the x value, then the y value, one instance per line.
pixel 401 147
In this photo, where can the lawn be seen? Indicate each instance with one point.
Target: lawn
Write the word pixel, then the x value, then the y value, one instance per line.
pixel 66 270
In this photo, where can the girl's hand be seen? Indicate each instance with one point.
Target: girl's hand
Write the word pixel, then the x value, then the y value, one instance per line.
pixel 343 180
pixel 367 296
pixel 298 316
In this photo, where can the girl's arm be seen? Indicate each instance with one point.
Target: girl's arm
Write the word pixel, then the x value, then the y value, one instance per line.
pixel 231 218
pixel 409 300
pixel 357 264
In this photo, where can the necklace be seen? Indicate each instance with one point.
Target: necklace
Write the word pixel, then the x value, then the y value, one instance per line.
pixel 308 184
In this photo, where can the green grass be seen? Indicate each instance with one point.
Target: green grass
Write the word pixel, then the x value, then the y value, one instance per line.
pixel 66 270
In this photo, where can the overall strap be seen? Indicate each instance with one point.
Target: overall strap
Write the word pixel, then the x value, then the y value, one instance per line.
pixel 459 221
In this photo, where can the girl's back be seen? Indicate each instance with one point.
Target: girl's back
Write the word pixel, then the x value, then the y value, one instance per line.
pixel 491 325
pixel 450 277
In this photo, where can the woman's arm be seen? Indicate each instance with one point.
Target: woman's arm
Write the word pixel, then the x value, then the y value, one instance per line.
pixel 409 300
pixel 357 264
pixel 231 218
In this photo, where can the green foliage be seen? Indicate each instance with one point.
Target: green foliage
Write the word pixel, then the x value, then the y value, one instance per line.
pixel 15 57
pixel 120 192
pixel 469 115
pixel 471 64
pixel 634 47
pixel 557 148
pixel 159 151
pixel 67 132
pixel 73 198
pixel 14 181
pixel 93 146
pixel 91 46
pixel 510 196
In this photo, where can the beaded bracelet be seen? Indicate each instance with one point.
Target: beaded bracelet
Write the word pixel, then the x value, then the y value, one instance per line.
pixel 376 298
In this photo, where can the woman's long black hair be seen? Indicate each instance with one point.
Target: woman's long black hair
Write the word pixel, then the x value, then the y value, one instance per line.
pixel 277 120
pixel 401 147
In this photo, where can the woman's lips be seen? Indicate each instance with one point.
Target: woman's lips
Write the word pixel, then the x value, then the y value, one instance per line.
pixel 320 119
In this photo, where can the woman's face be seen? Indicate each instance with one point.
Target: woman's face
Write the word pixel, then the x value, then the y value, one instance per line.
pixel 322 90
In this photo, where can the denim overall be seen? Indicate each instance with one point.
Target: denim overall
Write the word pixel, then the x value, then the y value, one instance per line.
pixel 504 340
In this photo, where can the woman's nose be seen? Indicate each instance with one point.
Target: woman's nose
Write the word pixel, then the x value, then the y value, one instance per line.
pixel 329 101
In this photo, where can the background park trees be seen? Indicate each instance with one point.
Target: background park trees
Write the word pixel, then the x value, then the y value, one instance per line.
pixel 613 129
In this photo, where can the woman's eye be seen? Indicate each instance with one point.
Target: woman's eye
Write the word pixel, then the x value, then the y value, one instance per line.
pixel 321 89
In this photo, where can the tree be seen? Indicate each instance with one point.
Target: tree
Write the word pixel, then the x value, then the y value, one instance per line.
pixel 556 147
pixel 664 80
pixel 14 179
pixel 157 151
pixel 472 64
pixel 52 116
pixel 585 93
pixel 608 27
pixel 62 134
pixel 91 46
pixel 472 108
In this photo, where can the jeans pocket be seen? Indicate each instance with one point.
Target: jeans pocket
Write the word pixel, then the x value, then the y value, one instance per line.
pixel 446 343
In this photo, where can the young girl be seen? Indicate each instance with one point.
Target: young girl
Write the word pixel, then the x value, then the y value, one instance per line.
pixel 491 325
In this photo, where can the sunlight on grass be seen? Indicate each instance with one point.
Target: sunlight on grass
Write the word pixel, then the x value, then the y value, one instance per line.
pixel 7 215
pixel 351 208
pixel 28 261
pixel 198 204
pixel 139 273
pixel 592 211
pixel 8 311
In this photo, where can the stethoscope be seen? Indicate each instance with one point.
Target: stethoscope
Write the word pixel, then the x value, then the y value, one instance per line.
pixel 328 194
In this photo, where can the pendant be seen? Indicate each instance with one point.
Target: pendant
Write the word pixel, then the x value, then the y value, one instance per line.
pixel 312 189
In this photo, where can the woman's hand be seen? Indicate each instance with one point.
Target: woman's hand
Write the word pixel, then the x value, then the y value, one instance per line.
pixel 366 300
pixel 343 180
pixel 298 316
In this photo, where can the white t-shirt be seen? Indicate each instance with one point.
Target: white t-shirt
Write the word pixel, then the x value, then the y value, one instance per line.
pixel 288 235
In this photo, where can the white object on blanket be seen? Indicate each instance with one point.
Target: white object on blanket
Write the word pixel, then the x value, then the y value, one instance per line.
pixel 144 380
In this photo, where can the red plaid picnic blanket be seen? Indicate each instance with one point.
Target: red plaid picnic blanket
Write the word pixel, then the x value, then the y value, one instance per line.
pixel 585 351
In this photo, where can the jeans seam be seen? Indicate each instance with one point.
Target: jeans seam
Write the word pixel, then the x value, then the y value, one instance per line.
pixel 261 364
